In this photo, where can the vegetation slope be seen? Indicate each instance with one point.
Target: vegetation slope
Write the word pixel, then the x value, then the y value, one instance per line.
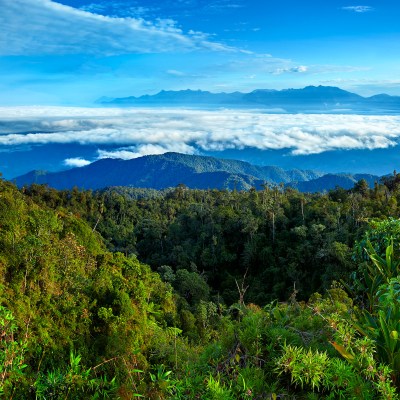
pixel 82 318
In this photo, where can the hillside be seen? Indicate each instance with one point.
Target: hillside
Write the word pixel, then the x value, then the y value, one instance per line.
pixel 197 172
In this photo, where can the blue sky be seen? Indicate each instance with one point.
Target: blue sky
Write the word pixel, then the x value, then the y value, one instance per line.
pixel 72 52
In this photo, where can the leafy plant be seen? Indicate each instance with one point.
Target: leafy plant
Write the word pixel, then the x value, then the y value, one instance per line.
pixel 161 380
pixel 375 354
pixel 381 322
pixel 329 376
pixel 74 383
pixel 12 353
pixel 217 391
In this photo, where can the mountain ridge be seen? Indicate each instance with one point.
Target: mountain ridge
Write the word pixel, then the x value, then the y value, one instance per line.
pixel 197 172
pixel 319 98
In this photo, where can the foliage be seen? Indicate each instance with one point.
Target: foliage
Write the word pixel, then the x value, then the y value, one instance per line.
pixel 315 370
pixel 222 234
pixel 233 312
pixel 381 321
pixel 61 291
pixel 377 238
pixel 74 382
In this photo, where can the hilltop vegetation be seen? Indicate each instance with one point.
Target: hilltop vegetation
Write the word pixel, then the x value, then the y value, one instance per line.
pixel 280 236
pixel 82 316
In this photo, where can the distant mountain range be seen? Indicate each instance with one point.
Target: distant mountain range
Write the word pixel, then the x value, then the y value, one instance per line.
pixel 172 169
pixel 316 99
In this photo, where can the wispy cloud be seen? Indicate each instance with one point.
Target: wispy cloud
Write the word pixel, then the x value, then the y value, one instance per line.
pixel 224 4
pixel 53 28
pixel 300 68
pixel 336 69
pixel 175 72
pixel 135 132
pixel 358 9
pixel 261 64
pixel 118 9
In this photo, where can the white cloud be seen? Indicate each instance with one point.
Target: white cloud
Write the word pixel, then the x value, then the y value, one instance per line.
pixel 128 153
pixel 45 27
pixel 76 162
pixel 300 68
pixel 358 9
pixel 136 132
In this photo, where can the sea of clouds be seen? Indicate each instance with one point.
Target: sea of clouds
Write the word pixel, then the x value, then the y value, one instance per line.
pixel 136 132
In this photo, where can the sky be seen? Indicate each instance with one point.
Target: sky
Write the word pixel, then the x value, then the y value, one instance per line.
pixel 57 58
pixel 72 52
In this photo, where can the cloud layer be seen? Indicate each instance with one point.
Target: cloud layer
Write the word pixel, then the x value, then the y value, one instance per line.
pixel 47 28
pixel 132 133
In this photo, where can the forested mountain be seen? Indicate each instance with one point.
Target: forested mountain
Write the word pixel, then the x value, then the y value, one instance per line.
pixel 226 306
pixel 171 169
pixel 310 99
pixel 330 181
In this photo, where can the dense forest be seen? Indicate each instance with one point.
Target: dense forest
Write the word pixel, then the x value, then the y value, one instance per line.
pixel 210 294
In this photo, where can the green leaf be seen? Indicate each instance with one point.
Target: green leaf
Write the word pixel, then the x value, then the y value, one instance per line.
pixel 342 351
